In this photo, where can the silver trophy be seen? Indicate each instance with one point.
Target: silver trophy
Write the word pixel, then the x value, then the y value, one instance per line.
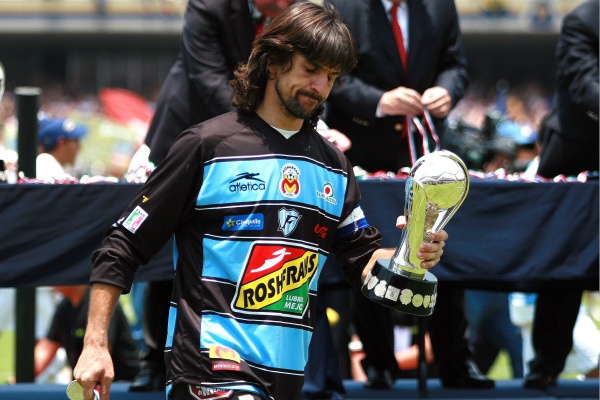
pixel 436 186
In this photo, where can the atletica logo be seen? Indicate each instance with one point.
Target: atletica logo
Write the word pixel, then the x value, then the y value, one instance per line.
pixel 276 278
pixel 246 222
pixel 290 180
pixel 251 183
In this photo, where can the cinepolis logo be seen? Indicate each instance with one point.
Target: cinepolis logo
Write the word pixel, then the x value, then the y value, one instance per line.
pixel 246 222
pixel 250 183
pixel 276 279
pixel 290 181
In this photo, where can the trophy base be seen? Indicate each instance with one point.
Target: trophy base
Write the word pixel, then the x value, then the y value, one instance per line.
pixel 402 293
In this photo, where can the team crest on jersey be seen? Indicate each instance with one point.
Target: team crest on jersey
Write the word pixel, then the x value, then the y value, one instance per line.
pixel 206 393
pixel 276 279
pixel 288 220
pixel 290 181
pixel 135 219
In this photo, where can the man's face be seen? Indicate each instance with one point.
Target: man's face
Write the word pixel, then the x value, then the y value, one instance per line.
pixel 271 8
pixel 68 150
pixel 303 87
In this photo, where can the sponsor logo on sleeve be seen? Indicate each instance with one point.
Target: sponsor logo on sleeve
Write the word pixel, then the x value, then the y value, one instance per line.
pixel 276 280
pixel 289 185
pixel 135 219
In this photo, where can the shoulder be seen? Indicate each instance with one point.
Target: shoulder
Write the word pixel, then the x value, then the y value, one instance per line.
pixel 351 8
pixel 210 133
pixel 221 126
pixel 584 14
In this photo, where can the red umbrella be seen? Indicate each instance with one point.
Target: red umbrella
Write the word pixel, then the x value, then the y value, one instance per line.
pixel 125 106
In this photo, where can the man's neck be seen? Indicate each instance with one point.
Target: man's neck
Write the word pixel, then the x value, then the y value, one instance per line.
pixel 274 116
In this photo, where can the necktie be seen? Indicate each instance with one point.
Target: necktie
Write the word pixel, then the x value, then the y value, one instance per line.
pixel 398 36
pixel 258 28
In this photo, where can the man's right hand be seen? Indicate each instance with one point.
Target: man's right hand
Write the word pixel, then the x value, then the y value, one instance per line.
pixel 401 101
pixel 94 368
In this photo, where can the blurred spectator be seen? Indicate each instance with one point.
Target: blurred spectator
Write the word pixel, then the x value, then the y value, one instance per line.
pixel 512 144
pixel 46 301
pixel 59 142
pixel 491 330
pixel 584 355
pixel 500 132
pixel 68 328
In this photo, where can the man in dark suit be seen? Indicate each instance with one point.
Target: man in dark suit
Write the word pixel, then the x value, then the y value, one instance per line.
pixel 570 146
pixel 217 36
pixel 371 108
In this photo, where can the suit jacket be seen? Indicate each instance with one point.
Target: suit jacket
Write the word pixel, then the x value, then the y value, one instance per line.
pixel 577 72
pixel 572 143
pixel 435 58
pixel 217 36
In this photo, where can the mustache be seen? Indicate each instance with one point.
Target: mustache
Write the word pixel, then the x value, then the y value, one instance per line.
pixel 320 99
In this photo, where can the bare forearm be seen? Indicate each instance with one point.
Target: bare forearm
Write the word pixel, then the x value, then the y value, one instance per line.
pixel 43 353
pixel 379 253
pixel 103 299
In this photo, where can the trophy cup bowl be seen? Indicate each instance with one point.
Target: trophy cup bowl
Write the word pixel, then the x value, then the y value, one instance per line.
pixel 436 187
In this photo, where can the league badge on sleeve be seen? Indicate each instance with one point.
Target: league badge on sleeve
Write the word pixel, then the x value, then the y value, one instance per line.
pixel 135 219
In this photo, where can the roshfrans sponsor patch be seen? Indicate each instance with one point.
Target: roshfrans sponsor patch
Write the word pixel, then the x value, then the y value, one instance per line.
pixel 205 393
pixel 135 219
pixel 276 279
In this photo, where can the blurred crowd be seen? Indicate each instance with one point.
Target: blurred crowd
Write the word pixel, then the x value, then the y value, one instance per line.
pixel 491 128
pixel 107 148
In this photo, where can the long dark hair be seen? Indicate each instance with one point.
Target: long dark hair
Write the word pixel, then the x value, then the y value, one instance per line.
pixel 318 33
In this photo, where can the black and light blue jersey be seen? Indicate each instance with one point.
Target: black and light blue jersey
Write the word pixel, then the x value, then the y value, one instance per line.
pixel 254 216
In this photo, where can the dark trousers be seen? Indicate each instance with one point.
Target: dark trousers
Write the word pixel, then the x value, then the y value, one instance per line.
pixel 322 378
pixel 373 324
pixel 555 315
pixel 448 328
pixel 154 323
